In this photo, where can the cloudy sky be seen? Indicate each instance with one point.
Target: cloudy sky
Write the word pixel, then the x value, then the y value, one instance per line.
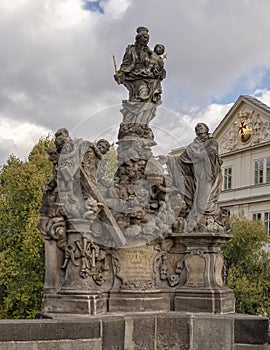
pixel 57 70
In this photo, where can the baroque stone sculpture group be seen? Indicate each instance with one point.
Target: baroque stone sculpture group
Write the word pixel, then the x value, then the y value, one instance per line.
pixel 155 227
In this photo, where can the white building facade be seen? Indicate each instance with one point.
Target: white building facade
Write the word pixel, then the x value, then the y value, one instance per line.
pixel 244 141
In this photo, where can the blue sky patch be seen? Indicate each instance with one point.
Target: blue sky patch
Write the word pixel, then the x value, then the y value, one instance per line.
pixel 247 85
pixel 93 6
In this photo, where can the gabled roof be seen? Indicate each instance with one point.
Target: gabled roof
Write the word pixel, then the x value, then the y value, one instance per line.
pixel 257 103
pixel 252 101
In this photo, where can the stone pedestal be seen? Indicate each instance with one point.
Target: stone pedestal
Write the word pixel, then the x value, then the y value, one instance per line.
pixel 180 273
pixel 63 296
pixel 215 300
pixel 203 290
pixel 78 277
pixel 138 290
pixel 75 303
pixel 139 300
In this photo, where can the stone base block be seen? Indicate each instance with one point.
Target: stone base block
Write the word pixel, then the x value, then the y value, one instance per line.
pixel 205 300
pixel 250 329
pixel 130 301
pixel 249 347
pixel 137 331
pixel 89 304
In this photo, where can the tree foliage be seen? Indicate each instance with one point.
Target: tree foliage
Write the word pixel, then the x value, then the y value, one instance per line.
pixel 248 267
pixel 21 245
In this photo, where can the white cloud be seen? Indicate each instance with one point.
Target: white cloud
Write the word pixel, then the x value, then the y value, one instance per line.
pixel 8 8
pixel 263 95
pixel 18 138
pixel 115 8
pixel 178 130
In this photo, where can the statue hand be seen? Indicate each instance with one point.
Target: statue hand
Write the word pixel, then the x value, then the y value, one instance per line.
pixel 119 77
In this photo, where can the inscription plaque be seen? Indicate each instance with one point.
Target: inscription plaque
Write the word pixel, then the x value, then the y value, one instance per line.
pixel 137 263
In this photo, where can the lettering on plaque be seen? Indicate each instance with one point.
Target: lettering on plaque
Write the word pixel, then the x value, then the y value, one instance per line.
pixel 137 263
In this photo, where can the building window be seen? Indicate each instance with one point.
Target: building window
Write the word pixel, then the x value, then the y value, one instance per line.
pixel 267 169
pixel 259 171
pixel 227 183
pixel 256 216
pixel 267 221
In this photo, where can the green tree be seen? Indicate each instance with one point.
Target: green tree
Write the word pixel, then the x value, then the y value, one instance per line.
pixel 21 245
pixel 248 267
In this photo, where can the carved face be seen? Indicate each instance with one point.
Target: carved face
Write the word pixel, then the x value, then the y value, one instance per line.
pixel 103 146
pixel 163 272
pixel 159 49
pixel 60 138
pixel 148 228
pixel 142 195
pixel 142 38
pixel 201 129
pixel 141 166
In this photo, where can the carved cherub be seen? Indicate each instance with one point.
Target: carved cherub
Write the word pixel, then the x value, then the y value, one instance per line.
pixel 156 62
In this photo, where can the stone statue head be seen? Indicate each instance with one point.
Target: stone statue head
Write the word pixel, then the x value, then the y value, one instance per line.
pixel 142 36
pixel 61 136
pixel 159 49
pixel 103 146
pixel 142 29
pixel 201 129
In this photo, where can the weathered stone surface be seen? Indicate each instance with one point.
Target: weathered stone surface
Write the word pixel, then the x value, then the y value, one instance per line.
pixel 196 271
pixel 48 329
pixel 136 331
pixel 250 347
pixel 137 265
pixel 134 301
pixel 250 329
pixel 173 332
pixel 89 304
pixel 212 332
pixel 218 300
pixel 94 344
pixel 113 333
pixel 144 333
